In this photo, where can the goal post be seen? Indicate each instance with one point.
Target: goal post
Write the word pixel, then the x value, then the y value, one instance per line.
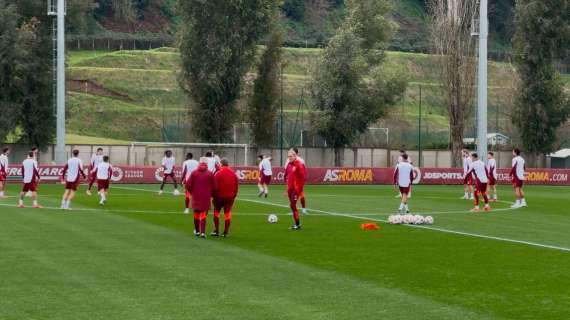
pixel 222 149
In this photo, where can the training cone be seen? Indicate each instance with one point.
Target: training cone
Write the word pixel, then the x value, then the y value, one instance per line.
pixel 369 226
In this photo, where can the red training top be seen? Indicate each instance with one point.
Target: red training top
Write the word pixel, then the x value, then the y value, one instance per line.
pixel 202 186
pixel 295 175
pixel 227 183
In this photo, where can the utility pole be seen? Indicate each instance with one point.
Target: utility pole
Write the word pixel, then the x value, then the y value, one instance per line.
pixel 420 131
pixel 482 83
pixel 60 122
pixel 281 120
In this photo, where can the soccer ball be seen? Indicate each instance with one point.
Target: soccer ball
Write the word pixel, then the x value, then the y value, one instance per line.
pixel 428 220
pixel 392 219
pixel 272 218
pixel 418 219
pixel 397 219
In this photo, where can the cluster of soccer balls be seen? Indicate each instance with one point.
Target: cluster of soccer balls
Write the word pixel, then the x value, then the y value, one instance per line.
pixel 410 219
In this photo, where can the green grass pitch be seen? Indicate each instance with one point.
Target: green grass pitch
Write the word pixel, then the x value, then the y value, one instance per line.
pixel 136 258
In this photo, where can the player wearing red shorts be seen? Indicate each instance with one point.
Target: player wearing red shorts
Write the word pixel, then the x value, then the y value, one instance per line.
pixel 3 170
pixel 295 177
pixel 72 172
pixel 265 175
pixel 403 177
pixel 517 175
pixel 224 197
pixel 96 159
pixel 492 171
pixel 31 179
pixel 202 186
pixel 187 168
pixel 103 173
pixel 467 178
pixel 481 175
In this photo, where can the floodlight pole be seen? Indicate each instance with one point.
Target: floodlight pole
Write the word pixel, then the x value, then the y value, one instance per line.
pixel 60 122
pixel 482 83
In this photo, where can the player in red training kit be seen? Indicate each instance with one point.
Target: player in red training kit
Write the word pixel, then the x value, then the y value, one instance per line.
pixel 224 197
pixel 479 171
pixel 295 176
pixel 202 186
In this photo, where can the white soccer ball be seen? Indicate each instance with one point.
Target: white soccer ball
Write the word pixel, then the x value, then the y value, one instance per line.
pixel 398 219
pixel 392 219
pixel 418 219
pixel 272 218
pixel 407 218
pixel 428 220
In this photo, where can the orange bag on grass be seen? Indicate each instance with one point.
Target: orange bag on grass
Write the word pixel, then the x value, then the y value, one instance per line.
pixel 369 226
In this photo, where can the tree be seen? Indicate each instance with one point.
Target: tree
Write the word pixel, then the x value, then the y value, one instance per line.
pixel 451 22
pixel 345 102
pixel 294 9
pixel 9 94
pixel 217 44
pixel 542 35
pixel 34 80
pixel 266 92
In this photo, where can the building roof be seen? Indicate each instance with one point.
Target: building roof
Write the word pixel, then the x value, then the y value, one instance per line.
pixel 562 153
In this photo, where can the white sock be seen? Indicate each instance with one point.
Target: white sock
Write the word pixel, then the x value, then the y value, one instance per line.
pixel 260 189
pixel 406 207
pixel 63 203
pixel 401 205
pixel 20 202
pixel 35 202
pixel 1 193
pixel 67 203
pixel 466 194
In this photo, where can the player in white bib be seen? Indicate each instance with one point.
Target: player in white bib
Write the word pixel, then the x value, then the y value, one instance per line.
pixel 403 178
pixel 467 178
pixel 213 161
pixel 517 174
pixel 31 180
pixel 187 168
pixel 72 173
pixel 3 170
pixel 479 172
pixel 168 165
pixel 492 171
pixel 265 175
pixel 103 173
pixel 96 159
pixel 401 159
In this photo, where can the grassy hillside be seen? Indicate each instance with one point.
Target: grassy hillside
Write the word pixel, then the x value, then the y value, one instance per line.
pixel 137 97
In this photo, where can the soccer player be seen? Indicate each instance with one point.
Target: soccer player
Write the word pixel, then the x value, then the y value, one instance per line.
pixel 34 151
pixel 517 175
pixel 492 170
pixel 467 178
pixel 103 173
pixel 202 186
pixel 71 175
pixel 3 170
pixel 302 195
pixel 213 162
pixel 96 159
pixel 403 177
pixel 187 168
pixel 169 164
pixel 265 174
pixel 30 181
pixel 401 159
pixel 224 197
pixel 479 171
pixel 295 177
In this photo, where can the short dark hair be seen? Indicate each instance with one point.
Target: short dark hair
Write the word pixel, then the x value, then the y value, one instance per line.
pixel 105 158
pixel 167 152
pixel 404 156
pixel 224 162
pixel 260 157
pixel 491 153
pixel 209 154
pixel 99 149
pixel 5 150
pixel 517 151
pixel 402 151
pixel 189 156
pixel 34 149
pixel 296 150
pixel 30 154
pixel 75 153
pixel 475 155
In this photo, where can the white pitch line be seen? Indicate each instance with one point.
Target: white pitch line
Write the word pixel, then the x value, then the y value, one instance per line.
pixel 476 235
pixel 360 217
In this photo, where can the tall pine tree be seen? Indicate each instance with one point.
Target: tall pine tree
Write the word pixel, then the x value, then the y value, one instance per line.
pixel 542 35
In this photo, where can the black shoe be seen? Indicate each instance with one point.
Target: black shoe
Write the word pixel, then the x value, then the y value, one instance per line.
pixel 214 234
pixel 260 194
pixel 295 227
pixel 266 195
pixel 203 235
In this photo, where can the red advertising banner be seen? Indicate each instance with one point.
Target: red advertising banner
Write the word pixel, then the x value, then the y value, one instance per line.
pixel 250 175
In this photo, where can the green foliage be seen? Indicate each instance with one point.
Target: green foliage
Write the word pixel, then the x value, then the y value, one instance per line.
pixel 266 92
pixel 346 103
pixel 294 9
pixel 9 55
pixel 218 43
pixel 542 35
